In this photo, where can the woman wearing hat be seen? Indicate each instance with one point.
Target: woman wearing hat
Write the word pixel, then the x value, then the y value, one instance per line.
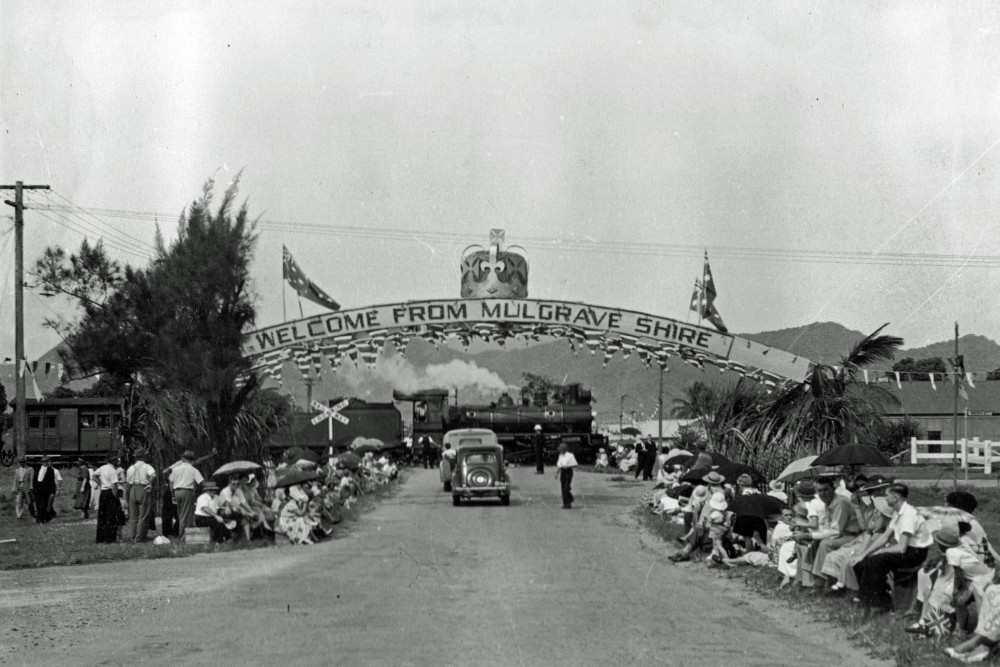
pixel 961 569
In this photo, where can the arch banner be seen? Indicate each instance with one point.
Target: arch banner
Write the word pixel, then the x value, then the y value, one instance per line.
pixel 367 329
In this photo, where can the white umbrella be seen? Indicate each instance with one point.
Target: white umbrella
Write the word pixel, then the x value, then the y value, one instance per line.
pixel 236 467
pixel 800 468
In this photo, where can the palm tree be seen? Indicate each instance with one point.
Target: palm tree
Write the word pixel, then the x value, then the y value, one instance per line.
pixel 832 407
pixel 697 403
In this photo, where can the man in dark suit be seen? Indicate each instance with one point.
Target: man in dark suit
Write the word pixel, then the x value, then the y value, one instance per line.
pixel 44 487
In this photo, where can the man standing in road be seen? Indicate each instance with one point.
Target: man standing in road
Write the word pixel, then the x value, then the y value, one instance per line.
pixel 45 487
pixel 22 488
pixel 139 492
pixel 183 479
pixel 564 471
pixel 109 510
pixel 539 450
pixel 426 453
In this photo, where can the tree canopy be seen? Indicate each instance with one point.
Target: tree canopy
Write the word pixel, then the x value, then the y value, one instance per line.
pixel 171 330
pixel 919 370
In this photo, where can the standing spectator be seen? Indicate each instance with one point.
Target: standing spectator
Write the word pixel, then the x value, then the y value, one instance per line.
pixel 426 452
pixel 168 509
pixel 109 510
pixel 183 478
pixel 777 490
pixel 81 497
pixel 139 491
pixel 904 544
pixel 539 450
pixel 22 488
pixel 649 461
pixel 45 487
pixel 564 471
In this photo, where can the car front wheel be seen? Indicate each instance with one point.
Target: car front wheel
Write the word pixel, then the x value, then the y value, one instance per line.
pixel 505 500
pixel 456 499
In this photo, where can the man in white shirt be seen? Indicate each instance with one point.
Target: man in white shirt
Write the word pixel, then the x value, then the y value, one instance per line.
pixel 903 545
pixel 564 471
pixel 183 478
pixel 139 492
pixel 22 487
pixel 206 512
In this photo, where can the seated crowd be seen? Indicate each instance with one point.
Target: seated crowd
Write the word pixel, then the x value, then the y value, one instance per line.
pixel 846 536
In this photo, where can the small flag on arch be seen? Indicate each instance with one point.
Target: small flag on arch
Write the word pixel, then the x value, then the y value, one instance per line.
pixel 703 299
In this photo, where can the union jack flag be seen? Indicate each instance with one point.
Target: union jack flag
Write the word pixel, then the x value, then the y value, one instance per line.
pixel 703 298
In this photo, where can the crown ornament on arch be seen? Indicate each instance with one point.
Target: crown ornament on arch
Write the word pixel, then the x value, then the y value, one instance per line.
pixel 495 272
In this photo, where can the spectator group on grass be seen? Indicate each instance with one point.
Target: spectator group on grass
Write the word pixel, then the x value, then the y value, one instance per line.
pixel 300 499
pixel 845 535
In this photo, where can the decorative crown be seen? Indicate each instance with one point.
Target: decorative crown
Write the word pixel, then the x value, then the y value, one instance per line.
pixel 494 273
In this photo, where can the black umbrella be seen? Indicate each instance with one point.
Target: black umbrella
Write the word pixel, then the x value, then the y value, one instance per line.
pixel 852 455
pixel 631 430
pixel 756 504
pixel 296 477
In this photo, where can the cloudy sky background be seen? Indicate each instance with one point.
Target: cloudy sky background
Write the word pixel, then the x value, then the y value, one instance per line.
pixel 613 142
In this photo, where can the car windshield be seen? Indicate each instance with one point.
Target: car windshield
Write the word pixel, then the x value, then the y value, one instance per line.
pixel 481 457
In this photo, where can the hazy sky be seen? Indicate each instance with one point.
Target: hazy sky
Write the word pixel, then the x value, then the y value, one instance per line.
pixel 797 127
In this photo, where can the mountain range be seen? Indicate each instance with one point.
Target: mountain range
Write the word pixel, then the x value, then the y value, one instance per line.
pixel 622 386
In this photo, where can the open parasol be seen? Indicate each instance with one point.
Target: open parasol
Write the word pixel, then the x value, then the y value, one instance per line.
pixel 301 454
pixel 631 430
pixel 801 469
pixel 678 456
pixel 852 455
pixel 363 445
pixel 296 477
pixel 752 511
pixel 236 467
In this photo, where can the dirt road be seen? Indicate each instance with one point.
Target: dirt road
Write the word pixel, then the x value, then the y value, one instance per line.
pixel 419 582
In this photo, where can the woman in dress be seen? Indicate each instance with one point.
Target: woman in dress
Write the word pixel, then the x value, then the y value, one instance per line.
pixel 294 521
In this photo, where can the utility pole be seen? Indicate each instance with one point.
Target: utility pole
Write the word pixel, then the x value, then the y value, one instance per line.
pixel 954 415
pixel 20 417
pixel 659 413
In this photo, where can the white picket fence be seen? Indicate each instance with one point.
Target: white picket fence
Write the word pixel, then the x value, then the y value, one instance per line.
pixel 973 451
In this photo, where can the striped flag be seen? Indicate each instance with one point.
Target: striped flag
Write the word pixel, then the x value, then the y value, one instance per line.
pixel 291 272
pixel 703 298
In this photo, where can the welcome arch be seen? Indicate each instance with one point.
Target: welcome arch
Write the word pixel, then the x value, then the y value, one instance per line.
pixel 360 334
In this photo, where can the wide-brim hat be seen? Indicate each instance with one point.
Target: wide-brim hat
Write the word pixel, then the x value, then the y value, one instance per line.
pixel 805 489
pixel 877 483
pixel 776 485
pixel 538 427
pixel 718 501
pixel 800 510
pixel 188 454
pixel 714 478
pixel 209 486
pixel 46 458
pixel 947 535
pixel 700 493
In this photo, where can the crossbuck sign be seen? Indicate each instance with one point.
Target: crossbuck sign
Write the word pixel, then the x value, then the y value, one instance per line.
pixel 332 412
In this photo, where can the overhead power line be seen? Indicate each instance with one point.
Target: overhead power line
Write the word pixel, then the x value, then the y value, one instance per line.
pixel 590 245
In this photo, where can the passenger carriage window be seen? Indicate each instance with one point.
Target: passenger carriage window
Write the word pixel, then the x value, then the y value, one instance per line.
pixel 104 421
pixel 87 420
pixel 34 421
pixel 50 422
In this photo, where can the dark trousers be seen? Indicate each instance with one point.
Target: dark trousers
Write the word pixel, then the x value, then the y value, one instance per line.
pixel 216 530
pixel 44 501
pixel 539 458
pixel 140 506
pixel 168 515
pixel 565 481
pixel 873 575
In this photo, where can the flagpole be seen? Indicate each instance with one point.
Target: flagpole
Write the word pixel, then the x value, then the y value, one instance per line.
pixel 284 313
pixel 301 314
pixel 704 296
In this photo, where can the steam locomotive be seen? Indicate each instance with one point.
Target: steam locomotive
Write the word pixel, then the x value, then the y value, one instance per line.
pixel 565 415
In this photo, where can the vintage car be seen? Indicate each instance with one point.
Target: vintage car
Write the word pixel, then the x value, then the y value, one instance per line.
pixel 478 470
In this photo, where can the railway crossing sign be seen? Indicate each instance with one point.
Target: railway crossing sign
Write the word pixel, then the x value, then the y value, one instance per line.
pixel 332 412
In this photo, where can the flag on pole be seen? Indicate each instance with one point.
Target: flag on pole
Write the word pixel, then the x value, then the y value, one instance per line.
pixel 703 299
pixel 291 272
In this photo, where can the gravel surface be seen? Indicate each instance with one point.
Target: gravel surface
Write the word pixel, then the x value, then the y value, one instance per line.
pixel 419 582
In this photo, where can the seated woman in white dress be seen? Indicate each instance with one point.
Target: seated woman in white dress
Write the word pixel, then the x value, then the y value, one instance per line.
pixel 602 459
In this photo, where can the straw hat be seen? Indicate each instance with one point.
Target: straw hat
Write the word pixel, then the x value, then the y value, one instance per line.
pixel 882 505
pixel 713 478
pixel 947 535
pixel 718 501
pixel 700 493
pixel 776 485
